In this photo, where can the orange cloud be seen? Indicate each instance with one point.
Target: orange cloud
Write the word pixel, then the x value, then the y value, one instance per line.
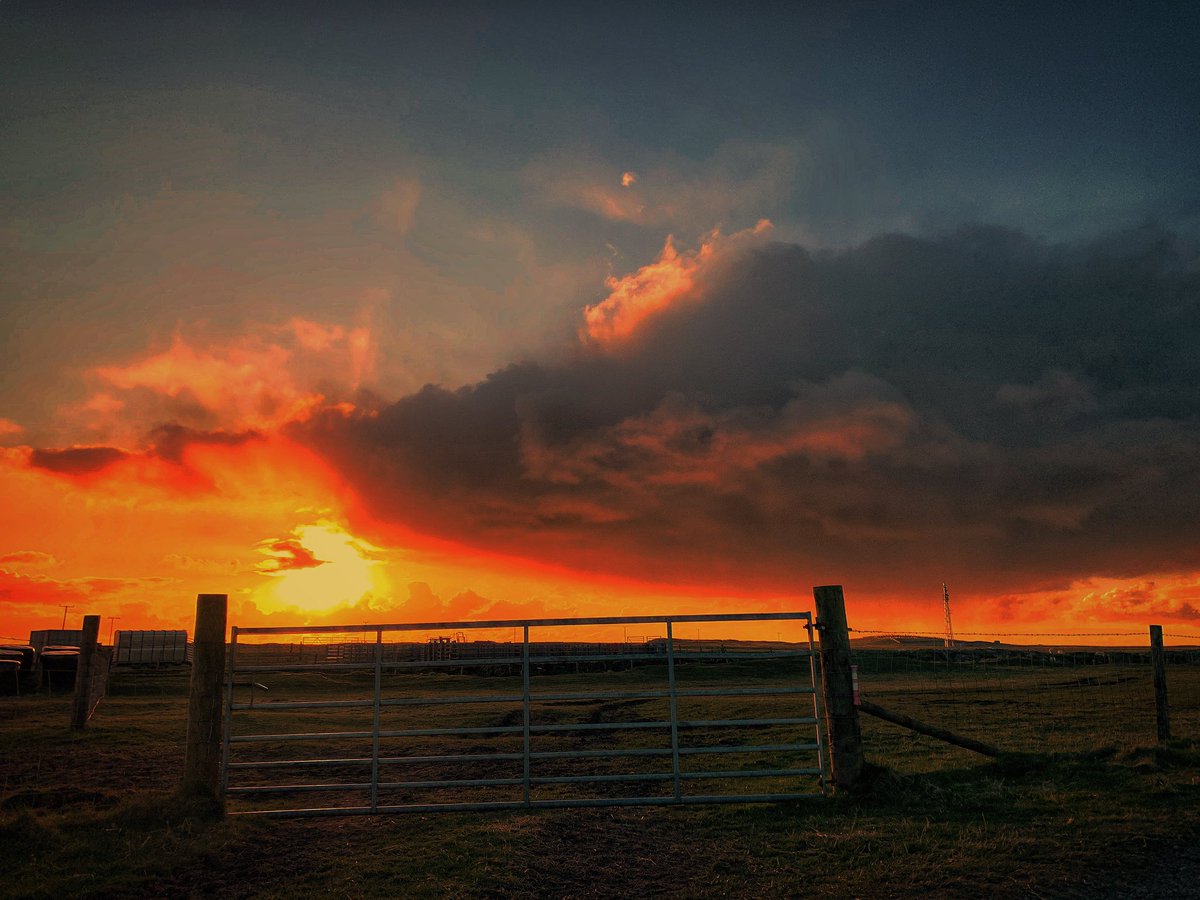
pixel 41 590
pixel 1167 597
pixel 314 335
pixel 246 383
pixel 33 558
pixel 671 278
pixel 255 382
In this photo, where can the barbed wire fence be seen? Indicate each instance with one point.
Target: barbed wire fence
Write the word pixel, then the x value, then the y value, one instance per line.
pixel 1025 690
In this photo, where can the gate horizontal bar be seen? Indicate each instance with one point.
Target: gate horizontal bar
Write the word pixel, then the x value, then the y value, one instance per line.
pixel 297 788
pixel 666 751
pixel 395 701
pixel 366 760
pixel 515 662
pixel 665 800
pixel 722 723
pixel 404 732
pixel 665 694
pixel 761 748
pixel 363 786
pixel 514 729
pixel 496 757
pixel 517 698
pixel 631 777
pixel 532 623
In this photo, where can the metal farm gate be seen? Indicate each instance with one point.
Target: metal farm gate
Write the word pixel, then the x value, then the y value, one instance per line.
pixel 391 718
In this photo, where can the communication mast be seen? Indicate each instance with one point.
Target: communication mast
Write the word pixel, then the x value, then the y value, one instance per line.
pixel 946 607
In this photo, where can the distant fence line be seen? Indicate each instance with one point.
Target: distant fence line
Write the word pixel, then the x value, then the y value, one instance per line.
pixel 958 634
pixel 1044 696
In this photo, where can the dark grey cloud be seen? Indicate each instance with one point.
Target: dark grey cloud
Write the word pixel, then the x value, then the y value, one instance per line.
pixel 167 442
pixel 76 460
pixel 171 440
pixel 983 406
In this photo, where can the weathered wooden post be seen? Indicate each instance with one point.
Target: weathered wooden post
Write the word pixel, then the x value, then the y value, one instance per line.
pixel 837 682
pixel 1158 661
pixel 83 673
pixel 202 756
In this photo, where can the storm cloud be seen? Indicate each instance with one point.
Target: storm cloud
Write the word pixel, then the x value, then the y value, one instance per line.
pixel 911 408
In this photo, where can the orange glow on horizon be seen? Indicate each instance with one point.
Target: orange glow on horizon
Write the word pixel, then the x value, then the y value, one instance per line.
pixel 141 537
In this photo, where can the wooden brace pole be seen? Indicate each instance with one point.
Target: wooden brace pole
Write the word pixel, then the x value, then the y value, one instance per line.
pixel 932 731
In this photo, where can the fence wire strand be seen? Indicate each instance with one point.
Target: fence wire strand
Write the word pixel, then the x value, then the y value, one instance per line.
pixel 1048 696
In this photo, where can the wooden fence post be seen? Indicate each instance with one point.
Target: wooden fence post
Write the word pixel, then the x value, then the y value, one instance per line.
pixel 837 683
pixel 202 756
pixel 1158 661
pixel 83 673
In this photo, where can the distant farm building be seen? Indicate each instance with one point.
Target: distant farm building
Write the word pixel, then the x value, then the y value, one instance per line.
pixel 150 648
pixel 55 637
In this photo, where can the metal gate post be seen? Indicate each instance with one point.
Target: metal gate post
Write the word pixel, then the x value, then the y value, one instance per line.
pixel 375 715
pixel 228 726
pixel 525 705
pixel 812 681
pixel 678 791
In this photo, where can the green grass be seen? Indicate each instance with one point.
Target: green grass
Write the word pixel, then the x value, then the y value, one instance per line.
pixel 1079 806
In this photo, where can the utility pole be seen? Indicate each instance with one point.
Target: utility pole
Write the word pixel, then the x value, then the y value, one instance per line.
pixel 111 622
pixel 65 607
pixel 946 609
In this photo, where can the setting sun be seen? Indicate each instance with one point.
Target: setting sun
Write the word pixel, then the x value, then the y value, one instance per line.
pixel 320 566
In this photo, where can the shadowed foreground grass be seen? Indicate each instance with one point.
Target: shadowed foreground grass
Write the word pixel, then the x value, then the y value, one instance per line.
pixel 93 814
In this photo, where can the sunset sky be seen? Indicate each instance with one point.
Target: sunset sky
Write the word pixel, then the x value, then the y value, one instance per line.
pixel 381 313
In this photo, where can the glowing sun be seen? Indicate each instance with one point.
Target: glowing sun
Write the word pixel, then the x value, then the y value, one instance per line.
pixel 320 566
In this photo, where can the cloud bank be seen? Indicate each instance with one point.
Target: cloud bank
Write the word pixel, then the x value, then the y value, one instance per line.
pixel 982 406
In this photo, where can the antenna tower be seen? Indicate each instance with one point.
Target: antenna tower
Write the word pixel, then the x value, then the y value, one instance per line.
pixel 946 607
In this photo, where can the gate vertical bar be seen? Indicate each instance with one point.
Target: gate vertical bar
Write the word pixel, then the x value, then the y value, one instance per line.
pixel 812 680
pixel 228 727
pixel 678 791
pixel 525 706
pixel 375 715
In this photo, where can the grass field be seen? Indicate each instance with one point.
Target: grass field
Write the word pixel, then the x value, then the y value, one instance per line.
pixel 1083 806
